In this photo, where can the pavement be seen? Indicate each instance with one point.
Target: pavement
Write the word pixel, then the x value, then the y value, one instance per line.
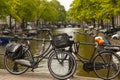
pixel 4 75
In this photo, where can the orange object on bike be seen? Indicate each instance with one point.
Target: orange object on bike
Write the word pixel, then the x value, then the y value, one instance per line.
pixel 98 38
pixel 101 42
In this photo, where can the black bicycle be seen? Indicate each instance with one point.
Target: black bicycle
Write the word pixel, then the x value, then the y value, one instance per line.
pixel 18 57
pixel 103 62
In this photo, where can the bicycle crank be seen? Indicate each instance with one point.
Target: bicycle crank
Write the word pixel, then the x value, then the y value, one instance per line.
pixel 89 66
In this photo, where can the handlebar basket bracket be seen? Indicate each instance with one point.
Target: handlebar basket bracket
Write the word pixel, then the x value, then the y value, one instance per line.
pixel 61 40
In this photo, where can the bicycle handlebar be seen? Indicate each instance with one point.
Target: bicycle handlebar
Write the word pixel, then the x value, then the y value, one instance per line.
pixel 95 44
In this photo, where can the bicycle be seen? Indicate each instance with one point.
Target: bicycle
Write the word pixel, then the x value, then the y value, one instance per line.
pixel 100 63
pixel 18 57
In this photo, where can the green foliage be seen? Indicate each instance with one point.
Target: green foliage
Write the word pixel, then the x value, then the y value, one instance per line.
pixel 47 11
pixel 61 13
pixel 3 8
pixel 27 9
pixel 86 10
pixel 31 10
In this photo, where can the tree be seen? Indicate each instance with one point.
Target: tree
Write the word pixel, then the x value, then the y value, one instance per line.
pixel 89 10
pixel 27 9
pixel 3 8
pixel 32 10
pixel 46 11
pixel 50 11
pixel 61 13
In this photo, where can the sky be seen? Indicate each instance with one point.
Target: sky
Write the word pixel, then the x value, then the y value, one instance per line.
pixel 66 3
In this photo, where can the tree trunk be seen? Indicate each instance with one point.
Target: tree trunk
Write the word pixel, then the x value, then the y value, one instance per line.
pixel 93 23
pixel 113 25
pixel 15 27
pixel 10 23
pixel 102 23
pixel 22 24
pixel 26 23
pixel 37 23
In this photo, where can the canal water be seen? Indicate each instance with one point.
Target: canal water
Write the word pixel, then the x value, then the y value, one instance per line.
pixel 85 50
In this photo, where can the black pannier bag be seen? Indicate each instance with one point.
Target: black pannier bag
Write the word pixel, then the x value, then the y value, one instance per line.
pixel 61 40
pixel 14 51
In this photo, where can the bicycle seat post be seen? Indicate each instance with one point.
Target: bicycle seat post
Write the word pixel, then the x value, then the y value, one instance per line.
pixel 96 44
pixel 43 46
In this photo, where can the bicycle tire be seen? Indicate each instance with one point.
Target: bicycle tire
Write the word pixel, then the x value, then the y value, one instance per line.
pixel 15 68
pixel 108 68
pixel 62 65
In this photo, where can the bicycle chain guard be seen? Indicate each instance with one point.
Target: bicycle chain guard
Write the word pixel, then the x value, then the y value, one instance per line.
pixel 88 66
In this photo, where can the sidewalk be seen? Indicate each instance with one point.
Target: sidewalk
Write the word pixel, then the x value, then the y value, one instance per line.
pixel 4 75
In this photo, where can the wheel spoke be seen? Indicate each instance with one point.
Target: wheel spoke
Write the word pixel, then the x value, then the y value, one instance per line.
pixel 61 65
pixel 108 70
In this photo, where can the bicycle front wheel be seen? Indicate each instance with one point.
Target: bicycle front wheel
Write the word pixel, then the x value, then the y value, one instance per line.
pixel 15 68
pixel 107 65
pixel 61 65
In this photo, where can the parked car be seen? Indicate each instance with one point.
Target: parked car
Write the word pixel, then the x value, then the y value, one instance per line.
pixel 6 31
pixel 116 36
pixel 103 30
pixel 111 32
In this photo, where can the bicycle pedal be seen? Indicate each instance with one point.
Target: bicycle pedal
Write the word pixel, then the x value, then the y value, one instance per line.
pixel 23 62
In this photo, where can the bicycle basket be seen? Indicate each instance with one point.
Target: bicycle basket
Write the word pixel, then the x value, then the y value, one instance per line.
pixel 61 40
pixel 14 51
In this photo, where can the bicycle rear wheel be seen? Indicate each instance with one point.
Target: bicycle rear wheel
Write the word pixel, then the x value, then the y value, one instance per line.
pixel 61 65
pixel 109 62
pixel 15 68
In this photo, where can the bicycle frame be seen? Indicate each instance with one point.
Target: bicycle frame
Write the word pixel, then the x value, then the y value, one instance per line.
pixel 77 54
pixel 76 48
pixel 42 54
pixel 40 57
pixel 100 60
